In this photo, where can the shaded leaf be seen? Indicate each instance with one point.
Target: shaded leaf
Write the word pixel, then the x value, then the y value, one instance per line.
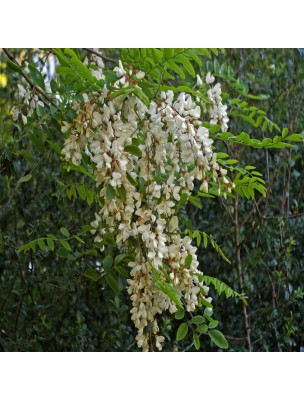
pixel 218 339
pixel 182 331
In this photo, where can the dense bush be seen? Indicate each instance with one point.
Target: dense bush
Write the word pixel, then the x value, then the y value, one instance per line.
pixel 57 300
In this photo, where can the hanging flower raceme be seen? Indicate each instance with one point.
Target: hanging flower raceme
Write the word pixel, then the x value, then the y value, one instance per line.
pixel 145 158
pixel 30 102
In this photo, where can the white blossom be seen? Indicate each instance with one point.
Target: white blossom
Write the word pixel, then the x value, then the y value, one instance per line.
pixel 175 151
pixel 209 78
pixel 199 81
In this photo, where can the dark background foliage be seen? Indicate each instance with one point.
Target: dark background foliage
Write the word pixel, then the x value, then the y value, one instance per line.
pixel 46 302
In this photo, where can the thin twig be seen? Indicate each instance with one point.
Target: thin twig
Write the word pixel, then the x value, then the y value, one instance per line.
pixel 100 55
pixel 239 270
pixel 279 217
pixel 32 84
pixel 236 338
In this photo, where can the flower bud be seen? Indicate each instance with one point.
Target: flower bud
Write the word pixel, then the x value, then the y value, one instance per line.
pixel 204 187
pixel 209 78
pixel 199 81
pixel 139 75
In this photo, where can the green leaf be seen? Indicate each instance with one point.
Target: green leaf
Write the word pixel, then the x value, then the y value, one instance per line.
pixel 119 258
pixel 198 319
pixel 79 239
pixel 66 245
pixel 38 142
pixel 222 287
pixel 33 246
pixel 230 162
pixel 24 248
pixel 62 252
pixel 64 231
pixel 205 240
pixel 213 324
pixel 183 199
pixel 50 243
pixel 195 57
pixel 221 155
pixel 295 137
pixel 187 64
pixel 172 65
pixel 110 193
pixel 36 76
pixel 54 237
pixel 180 313
pixel 216 66
pixel 256 173
pixel 214 51
pixel 143 52
pixel 133 150
pixel 195 201
pixel 206 303
pixel 122 193
pixel 92 274
pixel 125 91
pixel 112 282
pixel 168 52
pixel 284 132
pixel 182 331
pixel 82 191
pixel 198 240
pixel 14 67
pixel 131 180
pixel 121 270
pixel 25 178
pixel 202 328
pixel 55 147
pixel 141 95
pixel 252 97
pixel 41 244
pixel 188 261
pixel 158 55
pixel 218 339
pixel 196 341
pixel 79 168
pixel 169 290
pixel 204 52
pixel 28 156
pixel 109 240
pixel 107 263
pixel 90 196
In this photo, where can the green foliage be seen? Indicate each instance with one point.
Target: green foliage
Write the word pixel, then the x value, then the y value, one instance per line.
pixel 59 293
pixel 75 71
pixel 218 339
pixel 221 287
pixel 182 331
pixel 196 234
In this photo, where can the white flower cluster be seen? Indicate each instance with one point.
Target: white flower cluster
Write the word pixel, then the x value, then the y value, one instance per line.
pixel 30 101
pixel 218 111
pixel 144 159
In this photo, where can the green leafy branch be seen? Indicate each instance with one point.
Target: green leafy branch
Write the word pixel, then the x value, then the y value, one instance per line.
pixel 278 142
pixel 76 72
pixel 198 235
pixel 48 242
pixel 222 287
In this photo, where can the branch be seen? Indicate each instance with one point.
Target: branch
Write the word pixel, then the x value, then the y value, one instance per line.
pixel 31 83
pixel 100 55
pixel 281 217
pixel 239 269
